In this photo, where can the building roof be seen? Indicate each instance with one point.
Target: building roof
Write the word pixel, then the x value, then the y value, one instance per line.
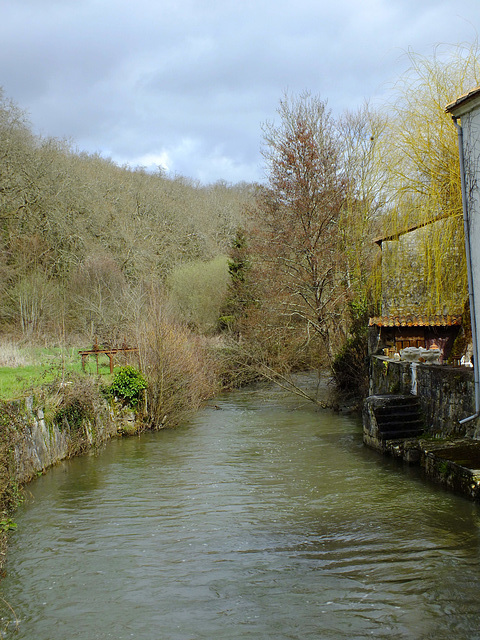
pixel 415 321
pixel 397 234
pixel 464 103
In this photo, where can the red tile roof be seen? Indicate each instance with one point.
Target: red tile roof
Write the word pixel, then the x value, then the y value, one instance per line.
pixel 415 321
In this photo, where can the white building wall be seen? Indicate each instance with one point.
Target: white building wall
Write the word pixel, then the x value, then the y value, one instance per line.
pixel 471 144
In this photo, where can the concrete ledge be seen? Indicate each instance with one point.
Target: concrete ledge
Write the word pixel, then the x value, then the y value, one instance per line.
pixel 453 463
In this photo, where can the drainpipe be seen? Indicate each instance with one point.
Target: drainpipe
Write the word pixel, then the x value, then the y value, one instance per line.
pixel 466 228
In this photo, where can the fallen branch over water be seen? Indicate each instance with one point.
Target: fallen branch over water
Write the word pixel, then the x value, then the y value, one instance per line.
pixel 285 382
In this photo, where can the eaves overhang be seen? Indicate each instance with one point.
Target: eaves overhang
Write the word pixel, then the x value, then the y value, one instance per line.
pixel 415 321
pixel 464 104
pixel 397 234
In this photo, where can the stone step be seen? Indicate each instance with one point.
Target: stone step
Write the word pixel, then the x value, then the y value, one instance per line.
pixel 397 427
pixel 400 435
pixel 391 425
pixel 400 411
pixel 397 416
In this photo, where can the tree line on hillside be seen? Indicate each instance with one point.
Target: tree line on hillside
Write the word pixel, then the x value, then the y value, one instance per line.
pixel 85 243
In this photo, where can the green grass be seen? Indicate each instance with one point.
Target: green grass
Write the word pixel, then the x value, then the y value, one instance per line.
pixel 15 382
pixel 43 366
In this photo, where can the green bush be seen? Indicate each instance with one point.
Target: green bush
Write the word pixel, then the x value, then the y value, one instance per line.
pixel 128 383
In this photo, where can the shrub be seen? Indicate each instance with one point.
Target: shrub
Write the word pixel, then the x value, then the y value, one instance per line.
pixel 72 414
pixel 11 427
pixel 182 373
pixel 10 435
pixel 128 384
pixel 75 407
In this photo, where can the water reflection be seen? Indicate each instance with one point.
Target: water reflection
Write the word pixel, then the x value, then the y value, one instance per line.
pixel 265 519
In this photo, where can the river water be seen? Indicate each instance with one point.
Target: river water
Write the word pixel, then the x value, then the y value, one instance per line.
pixel 263 518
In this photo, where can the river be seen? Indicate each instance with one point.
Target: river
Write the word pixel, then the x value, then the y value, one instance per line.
pixel 260 519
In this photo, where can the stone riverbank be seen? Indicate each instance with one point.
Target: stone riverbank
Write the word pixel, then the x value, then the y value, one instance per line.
pixel 447 451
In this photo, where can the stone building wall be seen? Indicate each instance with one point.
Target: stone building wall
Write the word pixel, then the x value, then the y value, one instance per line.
pixel 424 272
pixel 446 393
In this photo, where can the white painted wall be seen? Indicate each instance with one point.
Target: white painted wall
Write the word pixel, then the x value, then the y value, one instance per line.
pixel 470 122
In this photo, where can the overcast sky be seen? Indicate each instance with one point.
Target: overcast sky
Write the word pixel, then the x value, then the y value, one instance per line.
pixel 186 84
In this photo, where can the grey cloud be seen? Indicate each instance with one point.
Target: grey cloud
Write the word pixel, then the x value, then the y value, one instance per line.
pixel 192 80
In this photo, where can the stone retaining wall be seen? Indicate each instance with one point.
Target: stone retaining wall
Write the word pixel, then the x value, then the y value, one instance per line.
pixel 446 393
pixel 42 445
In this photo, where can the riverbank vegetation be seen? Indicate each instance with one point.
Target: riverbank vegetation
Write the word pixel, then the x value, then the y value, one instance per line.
pixel 10 494
pixel 218 285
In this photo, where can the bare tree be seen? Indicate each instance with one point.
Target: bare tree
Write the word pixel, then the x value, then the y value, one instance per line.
pixel 298 212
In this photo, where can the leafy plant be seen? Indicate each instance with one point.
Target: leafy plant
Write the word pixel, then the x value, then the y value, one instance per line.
pixel 75 407
pixel 7 525
pixel 72 414
pixel 128 383
pixel 443 467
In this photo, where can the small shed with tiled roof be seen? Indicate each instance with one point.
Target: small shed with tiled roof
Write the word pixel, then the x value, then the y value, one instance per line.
pixel 420 307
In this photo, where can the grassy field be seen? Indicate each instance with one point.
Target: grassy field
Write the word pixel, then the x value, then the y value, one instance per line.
pixel 24 369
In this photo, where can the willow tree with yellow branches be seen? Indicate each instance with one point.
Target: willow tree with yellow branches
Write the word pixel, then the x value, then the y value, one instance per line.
pixel 362 134
pixel 423 178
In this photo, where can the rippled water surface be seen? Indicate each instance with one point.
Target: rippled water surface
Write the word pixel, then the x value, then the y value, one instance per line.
pixel 260 519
